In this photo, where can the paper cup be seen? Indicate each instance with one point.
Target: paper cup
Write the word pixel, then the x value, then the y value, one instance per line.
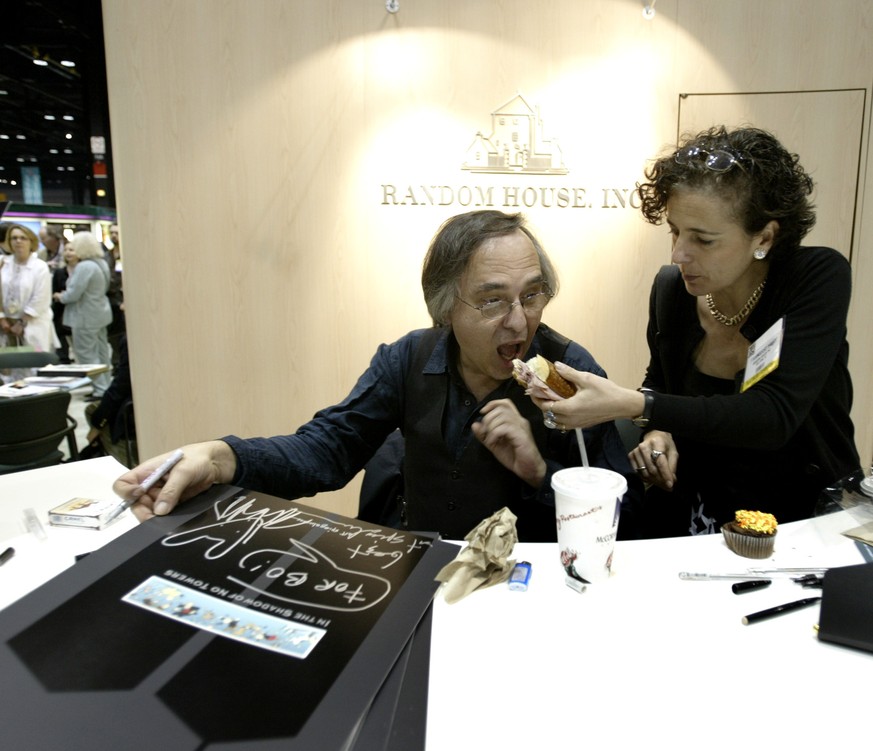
pixel 587 508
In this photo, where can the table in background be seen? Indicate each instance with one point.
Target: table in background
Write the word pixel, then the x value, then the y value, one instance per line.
pixel 36 561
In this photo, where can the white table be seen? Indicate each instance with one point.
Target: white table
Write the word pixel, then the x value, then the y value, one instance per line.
pixel 648 661
pixel 35 560
pixel 642 661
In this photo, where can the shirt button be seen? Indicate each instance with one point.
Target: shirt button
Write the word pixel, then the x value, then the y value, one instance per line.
pixel 451 505
pixel 467 402
pixel 456 475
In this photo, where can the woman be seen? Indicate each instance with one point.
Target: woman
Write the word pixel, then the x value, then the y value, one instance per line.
pixel 725 429
pixel 26 315
pixel 86 306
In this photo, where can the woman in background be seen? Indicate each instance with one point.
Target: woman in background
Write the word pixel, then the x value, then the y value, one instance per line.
pixel 725 430
pixel 86 306
pixel 26 315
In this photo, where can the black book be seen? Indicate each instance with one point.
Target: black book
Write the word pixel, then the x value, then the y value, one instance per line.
pixel 240 621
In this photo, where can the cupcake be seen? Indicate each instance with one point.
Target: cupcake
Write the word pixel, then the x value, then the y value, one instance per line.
pixel 752 534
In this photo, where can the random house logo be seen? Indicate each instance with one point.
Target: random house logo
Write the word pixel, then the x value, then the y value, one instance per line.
pixel 517 146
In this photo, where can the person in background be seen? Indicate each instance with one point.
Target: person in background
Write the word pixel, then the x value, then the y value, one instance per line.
pixel 59 283
pixel 86 310
pixel 4 228
pixel 26 314
pixel 112 420
pixel 725 431
pixel 474 442
pixel 116 293
pixel 52 238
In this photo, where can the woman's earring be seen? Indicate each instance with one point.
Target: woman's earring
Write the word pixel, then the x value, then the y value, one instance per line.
pixel 760 254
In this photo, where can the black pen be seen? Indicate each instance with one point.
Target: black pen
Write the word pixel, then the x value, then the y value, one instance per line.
pixel 748 586
pixel 6 555
pixel 779 610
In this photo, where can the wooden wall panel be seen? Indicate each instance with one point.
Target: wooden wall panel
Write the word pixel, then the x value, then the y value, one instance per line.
pixel 252 140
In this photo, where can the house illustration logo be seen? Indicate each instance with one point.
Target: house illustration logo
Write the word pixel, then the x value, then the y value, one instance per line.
pixel 516 144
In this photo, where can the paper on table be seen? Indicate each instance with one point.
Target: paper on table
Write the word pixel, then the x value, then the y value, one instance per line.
pixel 864 533
pixel 484 561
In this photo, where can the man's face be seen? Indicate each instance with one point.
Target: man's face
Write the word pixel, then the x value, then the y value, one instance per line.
pixel 502 268
pixel 113 234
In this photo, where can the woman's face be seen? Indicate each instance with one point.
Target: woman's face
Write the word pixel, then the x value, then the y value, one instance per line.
pixel 20 245
pixel 710 247
pixel 70 256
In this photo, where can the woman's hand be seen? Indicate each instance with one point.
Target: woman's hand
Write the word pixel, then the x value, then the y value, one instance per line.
pixel 656 459
pixel 596 400
pixel 202 465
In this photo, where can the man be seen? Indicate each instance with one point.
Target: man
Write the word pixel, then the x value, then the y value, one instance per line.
pixel 118 327
pixel 474 442
pixel 52 238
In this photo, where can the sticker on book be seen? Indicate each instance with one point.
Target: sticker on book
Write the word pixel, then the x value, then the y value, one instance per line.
pixel 217 616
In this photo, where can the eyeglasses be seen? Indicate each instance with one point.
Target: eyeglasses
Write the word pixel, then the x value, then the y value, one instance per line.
pixel 717 160
pixel 531 303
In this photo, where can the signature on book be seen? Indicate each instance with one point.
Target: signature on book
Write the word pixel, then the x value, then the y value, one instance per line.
pixel 300 574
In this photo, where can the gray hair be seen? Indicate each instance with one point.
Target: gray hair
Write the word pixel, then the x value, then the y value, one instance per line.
pixel 452 248
pixel 86 245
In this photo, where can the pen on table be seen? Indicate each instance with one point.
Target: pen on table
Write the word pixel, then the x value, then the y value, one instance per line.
pixel 752 573
pixel 779 610
pixel 748 586
pixel 6 555
pixel 146 484
pixel 694 576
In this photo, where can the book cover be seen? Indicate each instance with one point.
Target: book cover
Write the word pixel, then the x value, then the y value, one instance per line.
pixel 83 512
pixel 73 369
pixel 245 622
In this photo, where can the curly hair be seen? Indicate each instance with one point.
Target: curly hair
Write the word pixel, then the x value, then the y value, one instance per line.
pixel 452 248
pixel 747 167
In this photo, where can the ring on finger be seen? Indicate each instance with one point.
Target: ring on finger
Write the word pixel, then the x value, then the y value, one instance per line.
pixel 655 454
pixel 549 419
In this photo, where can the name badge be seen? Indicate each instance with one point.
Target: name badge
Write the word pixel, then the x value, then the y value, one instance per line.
pixel 763 357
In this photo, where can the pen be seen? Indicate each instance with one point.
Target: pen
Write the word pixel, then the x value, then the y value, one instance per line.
pixel 146 484
pixel 6 555
pixel 748 586
pixel 779 610
pixel 692 576
pixel 752 573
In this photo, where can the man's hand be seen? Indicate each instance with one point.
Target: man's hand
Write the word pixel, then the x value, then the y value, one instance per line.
pixel 507 435
pixel 202 465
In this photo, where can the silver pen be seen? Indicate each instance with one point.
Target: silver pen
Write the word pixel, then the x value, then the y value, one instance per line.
pixel 171 461
pixel 693 576
pixel 752 573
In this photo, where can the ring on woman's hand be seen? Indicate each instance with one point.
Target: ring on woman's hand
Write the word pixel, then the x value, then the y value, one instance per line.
pixel 644 468
pixel 549 419
pixel 655 454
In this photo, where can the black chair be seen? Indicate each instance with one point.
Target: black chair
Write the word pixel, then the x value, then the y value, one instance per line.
pixel 12 359
pixel 32 428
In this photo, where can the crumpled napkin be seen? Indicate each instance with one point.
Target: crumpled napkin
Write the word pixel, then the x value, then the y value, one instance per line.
pixel 484 561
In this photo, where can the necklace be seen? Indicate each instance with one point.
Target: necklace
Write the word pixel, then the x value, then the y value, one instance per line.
pixel 744 311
